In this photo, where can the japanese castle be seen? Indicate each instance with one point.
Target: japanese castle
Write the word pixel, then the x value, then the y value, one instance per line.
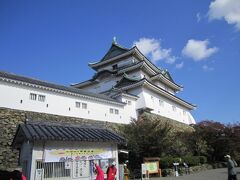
pixel 125 84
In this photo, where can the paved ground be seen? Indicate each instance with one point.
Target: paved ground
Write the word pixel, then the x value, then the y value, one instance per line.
pixel 215 174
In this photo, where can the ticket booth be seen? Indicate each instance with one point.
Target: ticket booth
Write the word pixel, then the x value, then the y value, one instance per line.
pixel 65 152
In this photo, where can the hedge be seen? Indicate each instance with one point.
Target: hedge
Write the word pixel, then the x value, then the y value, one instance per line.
pixel 167 162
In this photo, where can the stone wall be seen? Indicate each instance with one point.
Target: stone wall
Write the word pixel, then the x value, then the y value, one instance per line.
pixel 9 121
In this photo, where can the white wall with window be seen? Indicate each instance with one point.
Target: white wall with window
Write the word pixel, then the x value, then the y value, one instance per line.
pixel 162 106
pixel 22 97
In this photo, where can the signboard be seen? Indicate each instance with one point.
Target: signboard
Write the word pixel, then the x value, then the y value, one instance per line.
pixel 152 167
pixel 81 169
pixel 64 155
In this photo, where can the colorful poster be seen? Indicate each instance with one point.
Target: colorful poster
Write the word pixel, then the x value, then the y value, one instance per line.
pixel 70 155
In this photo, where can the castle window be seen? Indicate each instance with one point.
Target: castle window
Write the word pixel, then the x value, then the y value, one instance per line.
pixel 184 112
pixel 116 111
pixel 77 104
pixel 129 102
pixel 111 110
pixel 174 108
pixel 115 66
pixel 41 98
pixel 33 96
pixel 152 98
pixel 84 105
pixel 161 102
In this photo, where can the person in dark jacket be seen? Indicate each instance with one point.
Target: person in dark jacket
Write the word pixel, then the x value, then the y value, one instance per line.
pixel 232 174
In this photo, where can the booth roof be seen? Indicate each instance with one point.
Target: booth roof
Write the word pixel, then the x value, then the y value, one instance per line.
pixel 63 132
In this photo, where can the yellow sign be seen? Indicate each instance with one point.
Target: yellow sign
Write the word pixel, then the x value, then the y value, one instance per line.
pixel 76 152
pixel 65 155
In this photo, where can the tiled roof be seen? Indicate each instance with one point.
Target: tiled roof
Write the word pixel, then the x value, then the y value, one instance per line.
pixel 126 81
pixel 64 132
pixel 167 75
pixel 54 86
pixel 114 50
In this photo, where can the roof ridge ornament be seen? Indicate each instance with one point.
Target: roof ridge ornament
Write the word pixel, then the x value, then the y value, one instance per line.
pixel 114 41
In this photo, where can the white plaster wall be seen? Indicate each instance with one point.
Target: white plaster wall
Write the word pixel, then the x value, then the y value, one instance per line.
pixel 164 86
pixel 129 109
pixel 138 74
pixel 152 101
pixel 39 147
pixel 59 104
pixel 140 103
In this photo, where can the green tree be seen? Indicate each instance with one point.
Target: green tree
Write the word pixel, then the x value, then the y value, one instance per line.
pixel 146 138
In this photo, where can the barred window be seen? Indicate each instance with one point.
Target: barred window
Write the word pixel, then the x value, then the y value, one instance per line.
pixel 84 105
pixel 53 169
pixel 116 111
pixel 78 104
pixel 33 96
pixel 161 102
pixel 174 108
pixel 152 98
pixel 184 112
pixel 111 110
pixel 41 98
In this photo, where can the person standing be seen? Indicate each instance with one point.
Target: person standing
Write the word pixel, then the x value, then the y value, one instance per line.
pixel 100 173
pixel 232 174
pixel 126 172
pixel 111 172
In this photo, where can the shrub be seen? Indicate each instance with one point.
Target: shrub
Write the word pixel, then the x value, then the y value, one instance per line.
pixel 167 162
pixel 191 160
pixel 203 159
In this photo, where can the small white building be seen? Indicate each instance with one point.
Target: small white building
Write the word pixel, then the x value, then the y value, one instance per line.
pixel 65 152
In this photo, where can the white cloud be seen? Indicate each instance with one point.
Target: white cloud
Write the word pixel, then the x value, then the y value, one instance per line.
pixel 198 15
pixel 198 50
pixel 229 10
pixel 151 48
pixel 207 68
pixel 180 65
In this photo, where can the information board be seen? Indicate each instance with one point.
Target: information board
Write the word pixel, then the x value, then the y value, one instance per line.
pixel 152 167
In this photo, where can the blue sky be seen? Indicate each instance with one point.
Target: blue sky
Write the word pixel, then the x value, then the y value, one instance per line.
pixel 198 42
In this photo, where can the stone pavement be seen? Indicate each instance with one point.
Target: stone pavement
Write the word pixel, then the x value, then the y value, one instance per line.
pixel 214 174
